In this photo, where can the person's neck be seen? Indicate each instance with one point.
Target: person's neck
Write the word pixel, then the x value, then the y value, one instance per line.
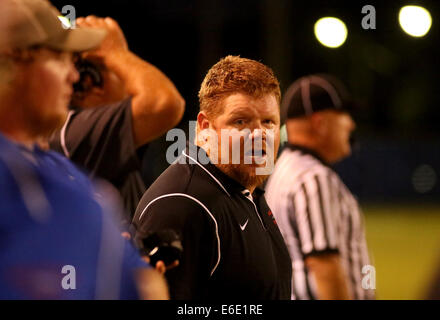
pixel 18 137
pixel 250 188
pixel 311 145
pixel 12 129
pixel 11 123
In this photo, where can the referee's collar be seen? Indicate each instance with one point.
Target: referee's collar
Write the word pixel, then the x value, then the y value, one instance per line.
pixel 307 151
pixel 229 185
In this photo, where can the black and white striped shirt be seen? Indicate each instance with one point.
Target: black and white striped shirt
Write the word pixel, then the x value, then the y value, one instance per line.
pixel 316 213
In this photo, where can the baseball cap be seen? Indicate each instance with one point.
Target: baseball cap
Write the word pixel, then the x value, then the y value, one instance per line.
pixel 314 93
pixel 35 22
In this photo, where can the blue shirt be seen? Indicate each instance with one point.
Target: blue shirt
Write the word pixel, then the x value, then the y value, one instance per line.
pixel 57 236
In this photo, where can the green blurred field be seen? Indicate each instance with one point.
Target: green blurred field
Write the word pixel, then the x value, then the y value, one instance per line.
pixel 405 245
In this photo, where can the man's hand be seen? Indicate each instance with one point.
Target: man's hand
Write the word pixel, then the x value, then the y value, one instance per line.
pixel 156 104
pixel 330 279
pixel 151 285
pixel 162 268
pixel 160 265
pixel 114 41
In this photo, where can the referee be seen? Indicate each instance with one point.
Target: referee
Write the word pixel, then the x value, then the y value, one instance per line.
pixel 318 216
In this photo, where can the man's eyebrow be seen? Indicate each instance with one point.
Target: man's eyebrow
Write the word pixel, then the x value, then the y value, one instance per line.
pixel 240 111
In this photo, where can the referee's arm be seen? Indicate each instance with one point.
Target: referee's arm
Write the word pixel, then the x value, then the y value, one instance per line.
pixel 331 281
pixel 316 225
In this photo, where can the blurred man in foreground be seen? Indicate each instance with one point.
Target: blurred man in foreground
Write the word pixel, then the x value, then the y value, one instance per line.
pixel 58 239
pixel 232 248
pixel 119 104
pixel 318 216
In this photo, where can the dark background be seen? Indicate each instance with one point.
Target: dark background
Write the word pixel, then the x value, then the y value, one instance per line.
pixel 393 76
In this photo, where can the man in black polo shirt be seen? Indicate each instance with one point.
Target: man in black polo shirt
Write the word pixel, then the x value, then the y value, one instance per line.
pixel 232 248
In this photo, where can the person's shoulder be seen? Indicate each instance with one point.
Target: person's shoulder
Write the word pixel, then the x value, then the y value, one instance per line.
pixel 59 160
pixel 66 166
pixel 112 108
pixel 181 186
pixel 174 179
pixel 308 164
pixel 294 166
pixel 5 172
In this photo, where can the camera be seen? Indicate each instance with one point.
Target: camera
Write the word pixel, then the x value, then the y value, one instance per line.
pixel 163 245
pixel 89 75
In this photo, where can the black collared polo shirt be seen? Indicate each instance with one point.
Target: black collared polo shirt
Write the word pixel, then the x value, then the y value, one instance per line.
pixel 101 141
pixel 232 246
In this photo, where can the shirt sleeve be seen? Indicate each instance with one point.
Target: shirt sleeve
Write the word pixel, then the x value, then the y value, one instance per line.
pixel 314 216
pixel 200 252
pixel 101 140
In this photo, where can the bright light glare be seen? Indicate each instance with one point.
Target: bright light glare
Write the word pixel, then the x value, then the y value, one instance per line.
pixel 65 21
pixel 415 20
pixel 330 32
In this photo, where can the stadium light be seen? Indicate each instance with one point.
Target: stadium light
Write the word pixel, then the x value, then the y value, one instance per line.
pixel 415 20
pixel 330 32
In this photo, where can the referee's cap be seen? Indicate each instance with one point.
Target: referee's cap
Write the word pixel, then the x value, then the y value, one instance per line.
pixel 27 23
pixel 314 93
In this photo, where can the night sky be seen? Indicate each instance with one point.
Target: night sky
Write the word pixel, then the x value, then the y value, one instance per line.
pixel 393 76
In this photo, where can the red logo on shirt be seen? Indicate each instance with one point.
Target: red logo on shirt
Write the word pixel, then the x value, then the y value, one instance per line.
pixel 271 215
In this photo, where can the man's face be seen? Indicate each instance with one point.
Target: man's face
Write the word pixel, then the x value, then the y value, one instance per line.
pixel 46 85
pixel 248 137
pixel 340 125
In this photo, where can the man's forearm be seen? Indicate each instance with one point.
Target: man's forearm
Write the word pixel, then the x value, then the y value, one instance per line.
pixel 156 104
pixel 331 287
pixel 331 281
pixel 155 99
pixel 139 76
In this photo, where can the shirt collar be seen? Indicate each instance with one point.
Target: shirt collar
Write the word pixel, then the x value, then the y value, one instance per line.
pixel 307 151
pixel 229 185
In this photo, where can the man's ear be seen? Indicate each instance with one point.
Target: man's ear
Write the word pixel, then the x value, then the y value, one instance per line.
pixel 202 121
pixel 203 124
pixel 319 124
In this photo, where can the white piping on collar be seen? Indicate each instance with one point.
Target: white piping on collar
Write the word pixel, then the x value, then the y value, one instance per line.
pixel 63 134
pixel 212 176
